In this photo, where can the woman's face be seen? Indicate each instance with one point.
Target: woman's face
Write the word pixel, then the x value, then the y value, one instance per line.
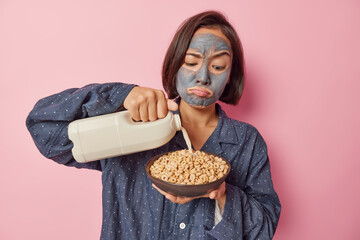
pixel 205 72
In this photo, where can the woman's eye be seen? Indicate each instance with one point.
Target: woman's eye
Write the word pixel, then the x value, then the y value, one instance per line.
pixel 190 64
pixel 216 67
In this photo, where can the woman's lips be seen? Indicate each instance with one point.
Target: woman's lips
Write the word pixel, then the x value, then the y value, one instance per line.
pixel 200 92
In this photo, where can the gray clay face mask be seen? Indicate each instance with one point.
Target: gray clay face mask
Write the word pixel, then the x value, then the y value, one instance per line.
pixel 202 78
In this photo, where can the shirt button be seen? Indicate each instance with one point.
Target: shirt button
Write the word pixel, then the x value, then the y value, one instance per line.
pixel 182 225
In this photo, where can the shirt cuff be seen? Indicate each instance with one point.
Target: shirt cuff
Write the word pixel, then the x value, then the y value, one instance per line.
pixel 230 225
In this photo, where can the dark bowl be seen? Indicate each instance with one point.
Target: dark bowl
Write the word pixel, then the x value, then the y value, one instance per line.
pixel 182 189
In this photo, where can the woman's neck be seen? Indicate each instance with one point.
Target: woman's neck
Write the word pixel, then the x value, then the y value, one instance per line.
pixel 198 117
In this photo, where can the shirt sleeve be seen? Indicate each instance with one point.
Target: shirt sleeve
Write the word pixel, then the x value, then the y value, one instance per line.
pixel 48 121
pixel 251 212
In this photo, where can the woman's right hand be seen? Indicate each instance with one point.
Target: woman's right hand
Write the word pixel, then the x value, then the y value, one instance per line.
pixel 147 104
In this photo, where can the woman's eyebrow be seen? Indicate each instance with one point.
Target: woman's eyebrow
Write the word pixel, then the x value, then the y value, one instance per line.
pixel 222 53
pixel 197 55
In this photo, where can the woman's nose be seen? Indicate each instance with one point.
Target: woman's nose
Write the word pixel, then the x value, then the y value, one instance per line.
pixel 203 77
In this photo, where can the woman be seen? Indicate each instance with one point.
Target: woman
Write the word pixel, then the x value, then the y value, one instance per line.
pixel 204 63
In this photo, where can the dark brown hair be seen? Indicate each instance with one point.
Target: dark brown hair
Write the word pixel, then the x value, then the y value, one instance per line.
pixel 176 52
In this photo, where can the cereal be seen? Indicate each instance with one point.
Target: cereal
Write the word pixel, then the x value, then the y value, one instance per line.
pixel 184 167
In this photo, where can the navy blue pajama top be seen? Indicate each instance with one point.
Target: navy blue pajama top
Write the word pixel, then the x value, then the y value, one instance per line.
pixel 132 208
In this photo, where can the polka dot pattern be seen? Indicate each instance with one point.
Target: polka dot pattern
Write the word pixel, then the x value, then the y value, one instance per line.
pixel 132 208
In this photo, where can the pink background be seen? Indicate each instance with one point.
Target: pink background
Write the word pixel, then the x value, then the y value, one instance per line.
pixel 302 93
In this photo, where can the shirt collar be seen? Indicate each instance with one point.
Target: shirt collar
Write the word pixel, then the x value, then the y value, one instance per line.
pixel 223 133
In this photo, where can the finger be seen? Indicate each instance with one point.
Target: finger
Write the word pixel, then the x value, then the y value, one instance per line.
pixel 152 111
pixel 172 106
pixel 134 112
pixel 183 200
pixel 144 114
pixel 171 197
pixel 162 108
pixel 213 194
pixel 217 192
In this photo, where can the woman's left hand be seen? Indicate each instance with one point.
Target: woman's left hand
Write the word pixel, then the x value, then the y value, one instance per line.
pixel 219 194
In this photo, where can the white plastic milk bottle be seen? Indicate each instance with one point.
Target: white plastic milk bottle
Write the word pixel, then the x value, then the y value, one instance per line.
pixel 117 134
